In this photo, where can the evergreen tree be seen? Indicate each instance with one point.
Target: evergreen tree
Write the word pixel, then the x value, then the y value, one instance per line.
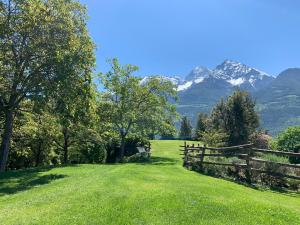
pixel 201 125
pixel 236 117
pixel 185 129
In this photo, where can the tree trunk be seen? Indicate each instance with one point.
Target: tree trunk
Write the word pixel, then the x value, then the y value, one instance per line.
pixel 122 150
pixel 66 145
pixel 6 138
pixel 38 155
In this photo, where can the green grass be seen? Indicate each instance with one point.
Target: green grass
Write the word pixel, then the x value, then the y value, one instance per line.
pixel 161 192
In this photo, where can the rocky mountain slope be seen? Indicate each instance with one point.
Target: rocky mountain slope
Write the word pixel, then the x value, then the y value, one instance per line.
pixel 278 99
pixel 279 102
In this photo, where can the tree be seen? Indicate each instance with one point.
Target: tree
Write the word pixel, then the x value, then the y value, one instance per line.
pixel 236 117
pixel 32 140
pixel 135 106
pixel 43 44
pixel 185 129
pixel 289 141
pixel 74 107
pixel 201 125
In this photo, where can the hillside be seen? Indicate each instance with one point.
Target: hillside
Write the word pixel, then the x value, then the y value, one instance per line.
pixel 161 192
pixel 279 104
pixel 278 98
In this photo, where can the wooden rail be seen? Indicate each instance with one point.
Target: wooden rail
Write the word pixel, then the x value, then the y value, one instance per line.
pixel 195 155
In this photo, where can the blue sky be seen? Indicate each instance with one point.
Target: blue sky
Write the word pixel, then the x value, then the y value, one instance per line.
pixel 170 37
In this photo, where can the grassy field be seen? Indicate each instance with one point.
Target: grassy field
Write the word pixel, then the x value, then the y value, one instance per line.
pixel 160 192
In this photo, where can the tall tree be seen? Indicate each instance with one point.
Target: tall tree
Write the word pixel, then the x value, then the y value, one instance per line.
pixel 42 45
pixel 74 107
pixel 32 141
pixel 236 117
pixel 185 129
pixel 136 106
pixel 201 125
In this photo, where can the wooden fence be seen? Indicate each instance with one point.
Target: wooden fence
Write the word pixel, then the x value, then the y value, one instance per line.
pixel 195 156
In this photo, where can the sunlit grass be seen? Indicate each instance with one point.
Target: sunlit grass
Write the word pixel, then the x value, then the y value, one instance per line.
pixel 159 192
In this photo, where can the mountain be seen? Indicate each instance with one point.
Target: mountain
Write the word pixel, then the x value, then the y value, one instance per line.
pixel 279 103
pixel 202 88
pixel 278 99
pixel 235 74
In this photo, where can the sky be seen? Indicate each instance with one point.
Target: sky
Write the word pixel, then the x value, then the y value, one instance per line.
pixel 171 37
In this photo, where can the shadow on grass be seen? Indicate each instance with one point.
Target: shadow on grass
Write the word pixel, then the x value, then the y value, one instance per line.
pixel 17 181
pixel 156 160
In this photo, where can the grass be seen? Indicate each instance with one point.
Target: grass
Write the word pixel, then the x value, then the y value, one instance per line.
pixel 160 192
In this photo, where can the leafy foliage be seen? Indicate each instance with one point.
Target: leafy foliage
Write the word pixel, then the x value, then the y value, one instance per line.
pixel 137 107
pixel 44 48
pixel 185 129
pixel 289 140
pixel 214 138
pixel 202 125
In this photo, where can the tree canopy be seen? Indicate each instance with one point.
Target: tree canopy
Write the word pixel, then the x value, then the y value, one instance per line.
pixel 236 117
pixel 135 105
pixel 44 47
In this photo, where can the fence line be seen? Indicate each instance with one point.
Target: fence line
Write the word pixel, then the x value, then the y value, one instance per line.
pixel 195 155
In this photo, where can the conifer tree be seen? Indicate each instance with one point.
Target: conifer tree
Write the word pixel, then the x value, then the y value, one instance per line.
pixel 185 129
pixel 236 117
pixel 201 125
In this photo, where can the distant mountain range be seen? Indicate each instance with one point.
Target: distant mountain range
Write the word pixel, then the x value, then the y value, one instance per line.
pixel 278 98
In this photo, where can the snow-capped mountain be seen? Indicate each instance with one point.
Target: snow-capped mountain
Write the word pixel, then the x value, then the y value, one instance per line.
pixel 176 80
pixel 202 88
pixel 232 72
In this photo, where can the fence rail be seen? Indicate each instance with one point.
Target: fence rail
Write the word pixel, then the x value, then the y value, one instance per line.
pixel 196 155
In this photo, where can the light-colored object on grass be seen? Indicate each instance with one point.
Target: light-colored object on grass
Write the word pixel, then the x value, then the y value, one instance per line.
pixel 141 149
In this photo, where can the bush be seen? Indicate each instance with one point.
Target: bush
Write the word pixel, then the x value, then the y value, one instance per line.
pixel 138 157
pixel 289 141
pixel 214 138
pixel 131 142
pixel 261 140
pixel 93 153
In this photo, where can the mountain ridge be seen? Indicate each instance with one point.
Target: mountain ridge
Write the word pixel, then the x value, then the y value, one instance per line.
pixel 233 72
pixel 202 88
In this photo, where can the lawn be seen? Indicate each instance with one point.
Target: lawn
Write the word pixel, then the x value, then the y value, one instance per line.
pixel 160 192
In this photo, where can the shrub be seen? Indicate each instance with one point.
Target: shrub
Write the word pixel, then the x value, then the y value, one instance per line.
pixel 93 153
pixel 261 140
pixel 289 140
pixel 275 158
pixel 138 157
pixel 131 142
pixel 214 138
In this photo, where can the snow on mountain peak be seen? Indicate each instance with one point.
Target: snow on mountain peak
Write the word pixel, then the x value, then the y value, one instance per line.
pixel 198 72
pixel 184 86
pixel 230 71
pixel 176 80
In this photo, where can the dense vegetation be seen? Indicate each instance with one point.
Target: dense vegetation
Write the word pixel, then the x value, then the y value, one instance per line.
pixel 51 111
pixel 289 140
pixel 231 122
pixel 158 192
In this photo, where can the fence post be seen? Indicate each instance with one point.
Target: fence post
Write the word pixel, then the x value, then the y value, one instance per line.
pixel 185 155
pixel 202 157
pixel 248 168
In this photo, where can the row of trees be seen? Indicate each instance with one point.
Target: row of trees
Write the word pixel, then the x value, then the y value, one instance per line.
pixel 50 108
pixel 234 121
pixel 231 122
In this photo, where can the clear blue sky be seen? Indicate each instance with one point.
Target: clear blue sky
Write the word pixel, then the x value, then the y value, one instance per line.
pixel 170 37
